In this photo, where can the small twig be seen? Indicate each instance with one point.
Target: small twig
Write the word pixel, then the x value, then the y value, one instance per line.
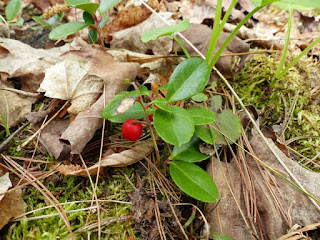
pixel 20 92
pixel 19 130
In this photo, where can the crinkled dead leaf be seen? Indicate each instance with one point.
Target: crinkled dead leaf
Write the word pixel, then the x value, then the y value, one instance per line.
pixel 19 60
pixel 11 204
pixel 130 38
pixel 124 158
pixel 285 204
pixel 69 80
pixel 13 107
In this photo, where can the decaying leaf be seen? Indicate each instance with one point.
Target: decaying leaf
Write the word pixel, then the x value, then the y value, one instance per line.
pixel 21 61
pixel 130 37
pixel 11 203
pixel 274 219
pixel 69 80
pixel 13 107
pixel 127 157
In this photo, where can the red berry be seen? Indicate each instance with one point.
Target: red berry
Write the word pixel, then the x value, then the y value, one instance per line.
pixel 151 115
pixel 131 129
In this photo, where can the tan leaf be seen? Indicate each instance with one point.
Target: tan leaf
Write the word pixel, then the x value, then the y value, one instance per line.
pixel 13 107
pixel 5 184
pixel 69 80
pixel 130 38
pixel 127 157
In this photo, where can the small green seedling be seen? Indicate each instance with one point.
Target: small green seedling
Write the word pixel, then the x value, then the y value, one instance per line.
pixel 11 11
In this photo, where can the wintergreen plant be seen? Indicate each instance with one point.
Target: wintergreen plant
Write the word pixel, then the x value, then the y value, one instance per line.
pixel 11 11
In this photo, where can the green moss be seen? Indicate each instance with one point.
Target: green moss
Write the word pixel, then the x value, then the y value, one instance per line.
pixel 116 187
pixel 252 86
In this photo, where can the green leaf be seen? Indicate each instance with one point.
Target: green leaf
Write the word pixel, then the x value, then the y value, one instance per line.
pixel 105 5
pixel 162 104
pixel 67 29
pixel 188 78
pixel 92 36
pixel 298 4
pixel 216 102
pixel 201 116
pixel 17 23
pixel 136 111
pixel 175 127
pixel 205 134
pixel 164 87
pixel 220 236
pixel 89 7
pixel 194 181
pixel 188 152
pixel 41 21
pixel 199 97
pixel 155 33
pixel 143 90
pixel 116 105
pixel 259 3
pixel 88 18
pixel 230 126
pixel 12 9
pixel 103 22
pixel 75 2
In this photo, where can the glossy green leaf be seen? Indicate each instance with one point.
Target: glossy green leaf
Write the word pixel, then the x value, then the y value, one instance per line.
pixel 199 97
pixel 67 29
pixel 162 104
pixel 105 5
pixel 201 116
pixel 188 152
pixel 229 125
pixel 298 4
pixel 103 22
pixel 112 109
pixel 205 134
pixel 92 36
pixel 41 21
pixel 259 3
pixel 155 33
pixel 220 236
pixel 88 18
pixel 136 111
pixel 75 2
pixel 12 9
pixel 89 7
pixel 176 127
pixel 188 78
pixel 194 181
pixel 143 90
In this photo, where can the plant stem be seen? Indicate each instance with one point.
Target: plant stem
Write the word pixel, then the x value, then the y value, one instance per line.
pixel 154 141
pixel 285 50
pixel 181 45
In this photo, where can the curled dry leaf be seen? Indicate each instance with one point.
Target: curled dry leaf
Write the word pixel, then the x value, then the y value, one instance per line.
pixel 274 219
pixel 127 157
pixel 21 61
pixel 130 38
pixel 11 204
pixel 13 107
pixel 69 80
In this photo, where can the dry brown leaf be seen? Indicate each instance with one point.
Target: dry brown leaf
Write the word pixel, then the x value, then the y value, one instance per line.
pixel 69 80
pixel 296 207
pixel 13 107
pixel 127 157
pixel 130 38
pixel 21 61
pixel 11 204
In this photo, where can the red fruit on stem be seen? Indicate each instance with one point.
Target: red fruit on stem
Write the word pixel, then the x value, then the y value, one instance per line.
pixel 131 129
pixel 151 115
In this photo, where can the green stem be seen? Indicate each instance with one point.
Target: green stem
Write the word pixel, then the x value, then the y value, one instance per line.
pixel 304 52
pixel 233 33
pixel 285 50
pixel 215 32
pixel 181 45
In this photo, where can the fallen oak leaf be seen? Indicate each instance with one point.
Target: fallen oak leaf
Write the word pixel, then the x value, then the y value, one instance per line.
pixel 124 158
